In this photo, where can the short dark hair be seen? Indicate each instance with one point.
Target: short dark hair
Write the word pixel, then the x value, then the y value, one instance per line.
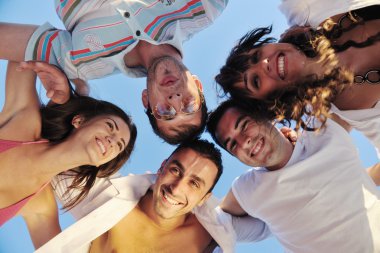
pixel 189 133
pixel 207 150
pixel 56 127
pixel 215 116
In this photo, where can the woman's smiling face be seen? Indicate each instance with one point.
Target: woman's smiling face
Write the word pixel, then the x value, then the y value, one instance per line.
pixel 273 67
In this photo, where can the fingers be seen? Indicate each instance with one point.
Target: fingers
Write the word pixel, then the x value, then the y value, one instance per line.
pixel 52 78
pixel 58 97
pixel 38 66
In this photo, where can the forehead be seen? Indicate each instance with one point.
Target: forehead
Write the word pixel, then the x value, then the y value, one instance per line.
pixel 180 123
pixel 230 122
pixel 120 123
pixel 194 165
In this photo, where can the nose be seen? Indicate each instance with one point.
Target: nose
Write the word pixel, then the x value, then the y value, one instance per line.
pixel 244 141
pixel 175 99
pixel 111 139
pixel 176 186
pixel 265 65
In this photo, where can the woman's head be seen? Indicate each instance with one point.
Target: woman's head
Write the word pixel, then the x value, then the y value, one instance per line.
pixel 85 117
pixel 282 78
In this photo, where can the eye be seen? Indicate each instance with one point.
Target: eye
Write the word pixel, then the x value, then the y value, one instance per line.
pixel 244 126
pixel 194 184
pixel 232 146
pixel 255 57
pixel 120 146
pixel 175 171
pixel 256 82
pixel 110 125
pixel 190 106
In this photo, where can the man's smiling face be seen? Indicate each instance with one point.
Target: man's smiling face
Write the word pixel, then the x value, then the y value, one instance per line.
pixel 183 182
pixel 253 143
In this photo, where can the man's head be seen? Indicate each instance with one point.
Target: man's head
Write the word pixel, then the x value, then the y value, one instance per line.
pixel 186 178
pixel 174 101
pixel 255 142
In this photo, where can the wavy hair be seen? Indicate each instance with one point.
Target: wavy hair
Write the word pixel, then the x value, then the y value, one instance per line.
pixel 311 96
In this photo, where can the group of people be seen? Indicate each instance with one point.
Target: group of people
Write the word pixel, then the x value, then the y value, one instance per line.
pixel 308 188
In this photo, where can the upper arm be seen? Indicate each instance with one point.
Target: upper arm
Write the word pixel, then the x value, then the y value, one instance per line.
pixel 20 91
pixel 231 205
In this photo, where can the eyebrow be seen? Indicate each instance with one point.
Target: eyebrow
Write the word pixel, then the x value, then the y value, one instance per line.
pixel 182 169
pixel 235 127
pixel 114 122
pixel 117 128
pixel 245 80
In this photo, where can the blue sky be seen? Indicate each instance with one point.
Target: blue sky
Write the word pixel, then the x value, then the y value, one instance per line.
pixel 204 55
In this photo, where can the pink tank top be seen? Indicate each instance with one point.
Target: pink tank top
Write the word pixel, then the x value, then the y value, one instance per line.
pixel 7 213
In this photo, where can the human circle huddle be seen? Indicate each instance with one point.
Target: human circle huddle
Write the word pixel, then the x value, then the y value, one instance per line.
pixel 305 186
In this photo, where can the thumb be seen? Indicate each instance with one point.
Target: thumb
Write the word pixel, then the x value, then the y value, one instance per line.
pixel 50 93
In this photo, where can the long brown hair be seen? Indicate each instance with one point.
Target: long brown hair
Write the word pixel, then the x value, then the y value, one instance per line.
pixel 56 127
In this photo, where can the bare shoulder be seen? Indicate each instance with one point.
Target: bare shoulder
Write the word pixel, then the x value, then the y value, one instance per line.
pixel 12 126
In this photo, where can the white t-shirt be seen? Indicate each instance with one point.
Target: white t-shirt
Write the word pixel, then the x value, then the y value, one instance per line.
pixel 314 12
pixel 367 121
pixel 321 201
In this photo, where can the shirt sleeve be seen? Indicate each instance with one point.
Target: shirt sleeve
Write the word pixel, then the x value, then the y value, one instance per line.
pixel 250 229
pixel 215 7
pixel 60 184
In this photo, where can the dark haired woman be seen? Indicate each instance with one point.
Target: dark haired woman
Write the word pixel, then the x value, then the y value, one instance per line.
pixel 306 72
pixel 85 137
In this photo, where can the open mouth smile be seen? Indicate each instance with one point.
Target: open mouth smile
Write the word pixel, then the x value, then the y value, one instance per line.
pixel 281 66
pixel 101 146
pixel 168 81
pixel 170 200
pixel 257 147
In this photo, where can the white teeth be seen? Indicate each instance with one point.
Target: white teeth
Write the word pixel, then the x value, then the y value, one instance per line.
pixel 101 145
pixel 281 66
pixel 171 201
pixel 258 147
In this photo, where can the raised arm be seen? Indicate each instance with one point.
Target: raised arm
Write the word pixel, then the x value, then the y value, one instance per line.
pixel 21 106
pixel 41 217
pixel 14 39
pixel 55 82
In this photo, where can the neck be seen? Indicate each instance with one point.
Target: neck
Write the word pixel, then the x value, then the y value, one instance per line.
pixel 287 152
pixel 54 159
pixel 146 204
pixel 145 53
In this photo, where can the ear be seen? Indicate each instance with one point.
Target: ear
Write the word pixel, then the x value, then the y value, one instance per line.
pixel 198 83
pixel 144 98
pixel 162 166
pixel 77 121
pixel 204 199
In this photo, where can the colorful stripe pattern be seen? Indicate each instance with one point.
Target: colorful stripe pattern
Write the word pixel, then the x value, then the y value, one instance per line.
pixel 86 55
pixel 65 8
pixel 192 10
pixel 43 47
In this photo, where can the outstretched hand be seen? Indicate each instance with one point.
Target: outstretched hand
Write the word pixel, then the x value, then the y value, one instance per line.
pixel 53 79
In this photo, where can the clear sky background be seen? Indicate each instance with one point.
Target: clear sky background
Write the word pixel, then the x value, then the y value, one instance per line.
pixel 204 54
